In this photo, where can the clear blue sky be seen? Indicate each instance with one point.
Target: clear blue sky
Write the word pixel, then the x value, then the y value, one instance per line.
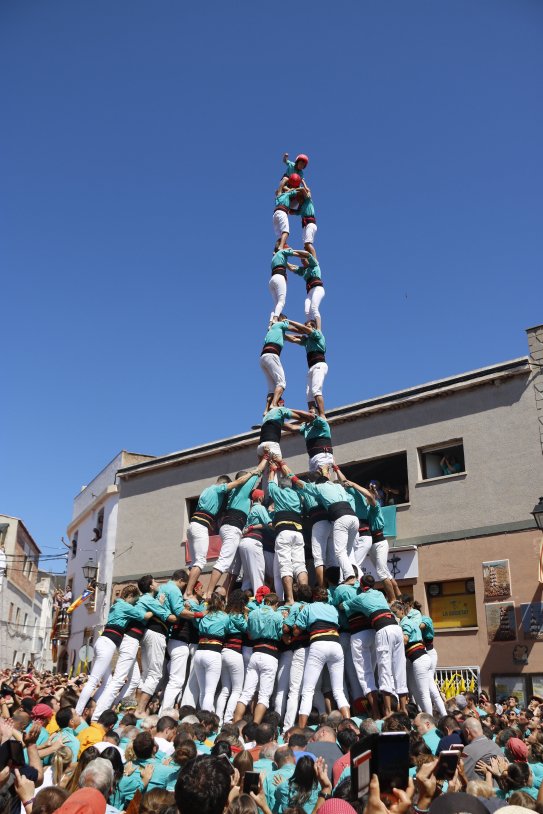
pixel 140 146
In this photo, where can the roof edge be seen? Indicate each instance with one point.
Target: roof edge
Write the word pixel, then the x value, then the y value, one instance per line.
pixel 482 375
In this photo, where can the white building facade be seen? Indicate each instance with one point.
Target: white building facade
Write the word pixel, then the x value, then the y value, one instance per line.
pixel 92 534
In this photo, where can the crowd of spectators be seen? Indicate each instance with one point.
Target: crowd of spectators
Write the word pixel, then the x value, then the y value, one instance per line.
pixel 184 762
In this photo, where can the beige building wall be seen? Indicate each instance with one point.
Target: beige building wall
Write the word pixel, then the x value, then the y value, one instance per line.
pixel 462 559
pixel 494 415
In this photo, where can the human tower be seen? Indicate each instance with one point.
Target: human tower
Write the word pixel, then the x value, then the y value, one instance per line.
pixel 277 638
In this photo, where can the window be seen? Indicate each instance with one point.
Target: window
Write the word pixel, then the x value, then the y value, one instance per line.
pixel 74 544
pixel 192 503
pixel 390 472
pixel 10 612
pixel 99 527
pixel 442 459
pixel 17 616
pixel 25 622
pixel 452 604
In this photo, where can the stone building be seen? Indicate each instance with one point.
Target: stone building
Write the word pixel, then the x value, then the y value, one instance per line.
pixel 20 603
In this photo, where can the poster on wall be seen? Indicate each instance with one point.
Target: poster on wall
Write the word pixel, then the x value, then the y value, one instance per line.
pixel 532 621
pixel 496 580
pixel 500 622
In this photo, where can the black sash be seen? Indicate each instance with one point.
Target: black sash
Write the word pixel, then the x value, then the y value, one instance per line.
pixel 382 618
pixel 340 509
pixel 271 431
pixel 315 446
pixel 271 347
pixel 113 632
pixel 314 283
pixel 314 357
pixel 285 520
pixel 234 517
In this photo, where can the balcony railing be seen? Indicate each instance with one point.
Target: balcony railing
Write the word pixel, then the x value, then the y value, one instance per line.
pixel 61 625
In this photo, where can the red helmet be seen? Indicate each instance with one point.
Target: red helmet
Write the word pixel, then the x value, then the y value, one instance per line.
pixel 294 180
pixel 302 157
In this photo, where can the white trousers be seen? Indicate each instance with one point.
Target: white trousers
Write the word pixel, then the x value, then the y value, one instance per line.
pixel 131 684
pixel 283 681
pixel 104 650
pixel 378 555
pixel 321 542
pixel 246 652
pixel 230 538
pixel 191 692
pixel 153 648
pixel 179 657
pixel 198 538
pixel 419 675
pixel 261 673
pixel 207 669
pixel 280 222
pixel 273 371
pixel 362 546
pixel 376 552
pixel 320 459
pixel 278 290
pixel 252 561
pixel 390 655
pixel 309 232
pixel 345 531
pixel 351 684
pixel 268 446
pixel 312 302
pixel 289 552
pixel 297 666
pixel 124 669
pixel 232 675
pixel 315 380
pixel 437 700
pixel 321 654
pixel 363 652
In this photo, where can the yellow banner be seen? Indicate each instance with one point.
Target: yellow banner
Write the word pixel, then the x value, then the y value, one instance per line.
pixel 453 611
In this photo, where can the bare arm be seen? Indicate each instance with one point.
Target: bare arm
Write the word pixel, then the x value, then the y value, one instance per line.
pixel 295 481
pixel 294 339
pixel 302 415
pixel 302 329
pixel 291 426
pixel 367 494
pixel 35 762
pixel 244 478
pixel 281 188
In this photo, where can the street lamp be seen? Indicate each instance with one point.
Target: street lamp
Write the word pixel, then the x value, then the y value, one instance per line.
pixel 537 514
pixel 90 572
